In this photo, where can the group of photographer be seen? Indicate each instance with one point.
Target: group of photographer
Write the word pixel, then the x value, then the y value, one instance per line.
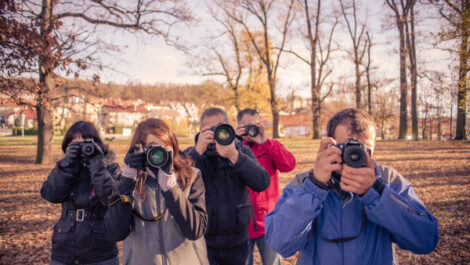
pixel 209 204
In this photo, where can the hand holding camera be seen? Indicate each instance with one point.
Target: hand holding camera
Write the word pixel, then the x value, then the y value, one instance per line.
pixel 228 151
pixel 135 157
pixel 252 132
pixel 358 179
pixel 204 139
pixel 72 153
pixel 328 160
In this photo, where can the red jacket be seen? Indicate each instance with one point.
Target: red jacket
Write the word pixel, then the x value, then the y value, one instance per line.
pixel 273 156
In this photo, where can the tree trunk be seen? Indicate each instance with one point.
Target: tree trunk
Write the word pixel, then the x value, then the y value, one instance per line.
pixel 358 80
pixel 369 86
pixel 45 132
pixel 460 133
pixel 413 73
pixel 451 120
pixel 46 83
pixel 403 83
pixel 315 89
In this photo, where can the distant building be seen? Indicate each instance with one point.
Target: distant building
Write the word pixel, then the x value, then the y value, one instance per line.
pixel 298 124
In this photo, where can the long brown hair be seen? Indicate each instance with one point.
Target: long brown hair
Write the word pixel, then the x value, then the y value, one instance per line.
pixel 181 164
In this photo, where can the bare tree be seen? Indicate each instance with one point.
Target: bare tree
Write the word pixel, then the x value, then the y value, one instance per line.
pixel 411 47
pixel 457 15
pixel 401 16
pixel 65 49
pixel 369 85
pixel 263 11
pixel 230 64
pixel 356 32
pixel 318 58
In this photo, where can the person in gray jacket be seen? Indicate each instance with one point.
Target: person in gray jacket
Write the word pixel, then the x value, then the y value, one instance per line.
pixel 160 212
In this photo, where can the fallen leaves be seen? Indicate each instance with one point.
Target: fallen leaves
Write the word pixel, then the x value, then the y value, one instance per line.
pixel 438 171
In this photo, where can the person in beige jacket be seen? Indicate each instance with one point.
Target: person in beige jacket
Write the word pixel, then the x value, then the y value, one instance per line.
pixel 160 212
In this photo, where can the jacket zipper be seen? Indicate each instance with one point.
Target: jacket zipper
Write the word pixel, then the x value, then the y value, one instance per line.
pixel 406 206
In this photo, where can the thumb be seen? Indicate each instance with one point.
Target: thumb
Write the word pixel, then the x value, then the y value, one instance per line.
pixel 325 142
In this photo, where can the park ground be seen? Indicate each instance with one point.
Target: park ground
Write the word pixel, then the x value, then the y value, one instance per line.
pixel 438 171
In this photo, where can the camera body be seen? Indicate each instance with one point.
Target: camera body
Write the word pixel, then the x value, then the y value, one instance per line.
pixel 224 134
pixel 251 130
pixel 156 156
pixel 353 153
pixel 87 148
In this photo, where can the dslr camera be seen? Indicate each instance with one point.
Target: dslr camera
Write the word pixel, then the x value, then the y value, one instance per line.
pixel 353 153
pixel 156 156
pixel 87 148
pixel 251 130
pixel 224 134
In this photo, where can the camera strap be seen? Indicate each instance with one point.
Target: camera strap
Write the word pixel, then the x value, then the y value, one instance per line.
pixel 343 239
pixel 125 199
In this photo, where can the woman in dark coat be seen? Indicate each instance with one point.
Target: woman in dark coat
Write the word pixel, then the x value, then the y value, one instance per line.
pixel 82 182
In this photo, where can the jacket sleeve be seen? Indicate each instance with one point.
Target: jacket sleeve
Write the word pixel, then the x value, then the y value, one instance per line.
pixel 190 213
pixel 101 179
pixel 195 156
pixel 119 218
pixel 400 211
pixel 57 187
pixel 288 226
pixel 249 169
pixel 281 157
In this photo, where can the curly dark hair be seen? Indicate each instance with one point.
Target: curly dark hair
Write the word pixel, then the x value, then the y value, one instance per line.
pixel 358 122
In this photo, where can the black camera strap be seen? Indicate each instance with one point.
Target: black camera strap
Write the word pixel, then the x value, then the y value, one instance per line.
pixel 343 239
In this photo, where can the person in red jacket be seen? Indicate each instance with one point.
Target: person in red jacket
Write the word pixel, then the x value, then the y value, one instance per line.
pixel 273 156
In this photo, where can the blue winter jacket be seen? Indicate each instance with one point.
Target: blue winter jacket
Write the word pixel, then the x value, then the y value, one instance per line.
pixel 308 219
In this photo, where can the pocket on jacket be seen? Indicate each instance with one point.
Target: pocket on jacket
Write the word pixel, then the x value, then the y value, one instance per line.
pixel 244 213
pixel 62 239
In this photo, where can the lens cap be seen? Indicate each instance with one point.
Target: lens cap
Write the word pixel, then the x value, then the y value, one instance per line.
pixel 224 134
pixel 157 156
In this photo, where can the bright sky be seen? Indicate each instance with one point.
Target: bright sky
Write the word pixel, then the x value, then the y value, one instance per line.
pixel 150 60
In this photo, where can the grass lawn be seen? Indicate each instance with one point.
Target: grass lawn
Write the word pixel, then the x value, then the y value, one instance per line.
pixel 439 172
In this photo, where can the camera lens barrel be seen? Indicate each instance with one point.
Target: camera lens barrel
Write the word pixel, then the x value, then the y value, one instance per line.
pixel 87 148
pixel 224 134
pixel 252 130
pixel 354 153
pixel 156 156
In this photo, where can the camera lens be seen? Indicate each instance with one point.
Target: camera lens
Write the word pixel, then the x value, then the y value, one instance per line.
pixel 157 156
pixel 252 130
pixel 354 156
pixel 224 134
pixel 88 149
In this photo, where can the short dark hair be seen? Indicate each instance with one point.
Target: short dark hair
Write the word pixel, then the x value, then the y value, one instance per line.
pixel 212 112
pixel 248 111
pixel 358 122
pixel 87 130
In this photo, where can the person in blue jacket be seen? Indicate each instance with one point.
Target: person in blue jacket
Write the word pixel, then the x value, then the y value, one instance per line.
pixel 337 214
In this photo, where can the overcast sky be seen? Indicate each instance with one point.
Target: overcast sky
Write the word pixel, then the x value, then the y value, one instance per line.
pixel 150 60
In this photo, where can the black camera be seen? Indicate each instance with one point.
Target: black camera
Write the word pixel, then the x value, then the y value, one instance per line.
pixel 156 156
pixel 224 134
pixel 353 153
pixel 87 148
pixel 251 130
